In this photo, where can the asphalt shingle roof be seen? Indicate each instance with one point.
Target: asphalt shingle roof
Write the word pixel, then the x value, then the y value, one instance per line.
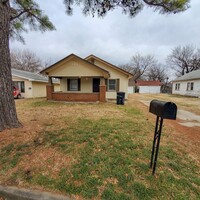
pixel 189 76
pixel 31 76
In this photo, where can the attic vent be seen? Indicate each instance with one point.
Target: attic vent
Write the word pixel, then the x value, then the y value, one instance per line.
pixel 91 60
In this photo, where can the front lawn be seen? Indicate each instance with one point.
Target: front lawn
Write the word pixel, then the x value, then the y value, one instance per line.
pixel 94 151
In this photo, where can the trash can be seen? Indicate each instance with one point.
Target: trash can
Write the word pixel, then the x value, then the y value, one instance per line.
pixel 120 98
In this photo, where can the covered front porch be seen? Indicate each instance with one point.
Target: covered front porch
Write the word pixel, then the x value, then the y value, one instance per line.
pixel 78 89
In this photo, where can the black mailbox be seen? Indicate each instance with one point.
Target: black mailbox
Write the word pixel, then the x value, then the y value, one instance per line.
pixel 163 109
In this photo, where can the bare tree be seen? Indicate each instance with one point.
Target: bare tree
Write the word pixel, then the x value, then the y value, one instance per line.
pixel 139 64
pixel 184 59
pixel 157 72
pixel 25 60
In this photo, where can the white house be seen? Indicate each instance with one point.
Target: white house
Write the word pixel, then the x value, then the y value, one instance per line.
pixel 148 87
pixel 188 84
pixel 31 85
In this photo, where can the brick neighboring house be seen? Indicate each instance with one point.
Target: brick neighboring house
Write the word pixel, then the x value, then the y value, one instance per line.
pixel 148 87
pixel 86 80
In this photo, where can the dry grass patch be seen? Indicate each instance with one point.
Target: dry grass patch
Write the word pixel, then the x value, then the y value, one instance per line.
pixel 94 151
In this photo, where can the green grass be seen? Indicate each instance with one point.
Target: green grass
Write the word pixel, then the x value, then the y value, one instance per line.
pixel 111 161
pixel 117 160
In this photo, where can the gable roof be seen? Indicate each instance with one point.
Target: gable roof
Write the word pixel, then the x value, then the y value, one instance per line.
pixel 31 76
pixel 148 83
pixel 68 57
pixel 109 64
pixel 189 76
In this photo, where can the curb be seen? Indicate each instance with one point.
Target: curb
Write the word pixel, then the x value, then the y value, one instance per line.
pixel 14 193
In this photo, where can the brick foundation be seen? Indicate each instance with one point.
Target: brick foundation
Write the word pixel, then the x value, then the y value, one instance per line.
pixel 50 90
pixel 102 94
pixel 78 97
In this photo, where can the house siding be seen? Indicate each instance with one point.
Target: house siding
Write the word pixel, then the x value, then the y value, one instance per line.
pixel 75 68
pixel 183 88
pixel 86 85
pixel 114 74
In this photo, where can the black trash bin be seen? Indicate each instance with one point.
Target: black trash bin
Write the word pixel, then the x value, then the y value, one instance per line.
pixel 120 98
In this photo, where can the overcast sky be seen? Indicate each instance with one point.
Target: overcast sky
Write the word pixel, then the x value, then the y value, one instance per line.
pixel 114 38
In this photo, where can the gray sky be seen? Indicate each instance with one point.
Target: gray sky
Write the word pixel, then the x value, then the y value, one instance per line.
pixel 116 37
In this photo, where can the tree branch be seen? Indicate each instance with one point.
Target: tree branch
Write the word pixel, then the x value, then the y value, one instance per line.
pixel 152 3
pixel 18 15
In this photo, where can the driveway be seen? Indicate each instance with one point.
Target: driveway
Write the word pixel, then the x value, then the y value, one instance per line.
pixel 187 118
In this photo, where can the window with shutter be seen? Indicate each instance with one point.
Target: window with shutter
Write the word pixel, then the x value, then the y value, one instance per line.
pixel 73 84
pixel 112 84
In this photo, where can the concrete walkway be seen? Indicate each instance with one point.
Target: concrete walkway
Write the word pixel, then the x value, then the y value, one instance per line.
pixel 14 193
pixel 189 119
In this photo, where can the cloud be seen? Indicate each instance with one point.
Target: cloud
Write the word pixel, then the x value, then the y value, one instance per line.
pixel 116 37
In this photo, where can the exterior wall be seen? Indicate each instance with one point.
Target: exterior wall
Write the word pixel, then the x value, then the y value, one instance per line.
pixel 183 88
pixel 114 74
pixel 149 89
pixel 86 85
pixel 83 97
pixel 39 89
pixel 75 68
pixel 56 87
pixel 28 87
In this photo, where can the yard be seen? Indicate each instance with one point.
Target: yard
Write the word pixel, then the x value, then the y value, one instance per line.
pixel 100 151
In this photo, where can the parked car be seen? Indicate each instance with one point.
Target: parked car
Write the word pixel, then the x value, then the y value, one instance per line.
pixel 16 93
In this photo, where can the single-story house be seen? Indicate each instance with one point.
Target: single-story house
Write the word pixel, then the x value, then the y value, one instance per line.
pixel 31 85
pixel 86 80
pixel 188 84
pixel 149 87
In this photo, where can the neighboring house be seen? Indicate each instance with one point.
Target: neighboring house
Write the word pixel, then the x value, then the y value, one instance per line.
pixel 89 80
pixel 188 84
pixel 149 87
pixel 31 84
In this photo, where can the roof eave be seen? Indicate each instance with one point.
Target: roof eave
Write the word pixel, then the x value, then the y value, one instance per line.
pixel 117 68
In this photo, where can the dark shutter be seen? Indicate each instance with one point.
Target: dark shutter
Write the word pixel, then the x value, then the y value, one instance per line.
pixel 117 85
pixel 79 84
pixel 68 84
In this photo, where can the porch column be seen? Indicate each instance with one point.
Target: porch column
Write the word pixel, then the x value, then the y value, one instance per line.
pixel 50 89
pixel 102 90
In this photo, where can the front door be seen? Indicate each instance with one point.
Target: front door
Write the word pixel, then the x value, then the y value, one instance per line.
pixel 96 83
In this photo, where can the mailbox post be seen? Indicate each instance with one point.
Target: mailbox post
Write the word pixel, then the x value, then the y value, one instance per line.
pixel 163 110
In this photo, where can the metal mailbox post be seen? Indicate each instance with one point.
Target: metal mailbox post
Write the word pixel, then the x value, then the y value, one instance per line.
pixel 163 110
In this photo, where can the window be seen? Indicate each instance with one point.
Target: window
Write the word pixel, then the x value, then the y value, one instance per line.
pixel 19 85
pixel 73 84
pixel 111 84
pixel 177 86
pixel 190 86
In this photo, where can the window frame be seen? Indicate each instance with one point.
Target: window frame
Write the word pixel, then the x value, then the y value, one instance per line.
pixel 69 84
pixel 190 86
pixel 19 85
pixel 177 86
pixel 115 85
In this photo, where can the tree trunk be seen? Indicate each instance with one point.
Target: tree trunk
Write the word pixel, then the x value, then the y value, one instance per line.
pixel 8 115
